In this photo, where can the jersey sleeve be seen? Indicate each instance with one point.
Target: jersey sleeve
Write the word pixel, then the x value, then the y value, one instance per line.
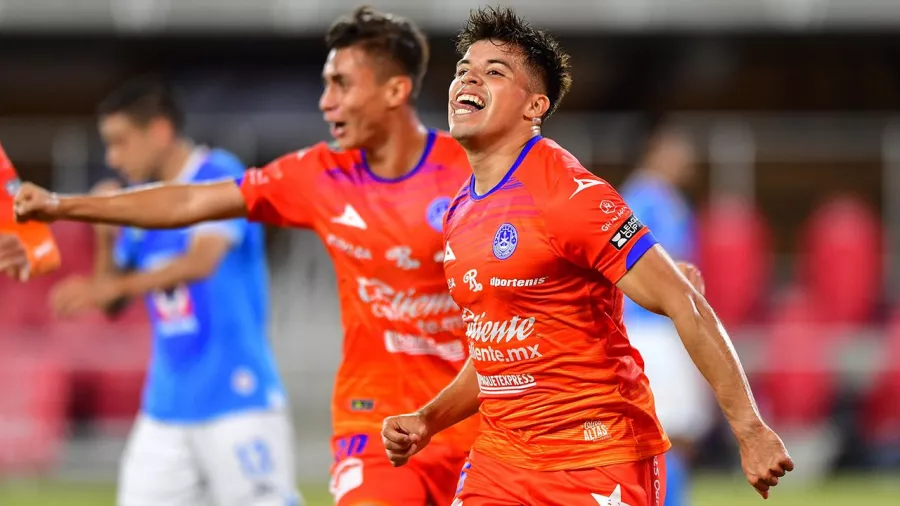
pixel 125 250
pixel 283 192
pixel 591 226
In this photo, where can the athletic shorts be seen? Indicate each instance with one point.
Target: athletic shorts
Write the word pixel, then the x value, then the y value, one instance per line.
pixel 362 474
pixel 486 481
pixel 244 459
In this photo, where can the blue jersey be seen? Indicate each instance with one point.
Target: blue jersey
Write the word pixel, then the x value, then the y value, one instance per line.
pixel 211 354
pixel 665 211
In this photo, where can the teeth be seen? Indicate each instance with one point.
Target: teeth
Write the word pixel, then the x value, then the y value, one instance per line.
pixel 465 97
pixel 462 111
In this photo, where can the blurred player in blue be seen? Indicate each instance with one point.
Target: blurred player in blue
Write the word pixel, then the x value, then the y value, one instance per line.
pixel 214 427
pixel 684 402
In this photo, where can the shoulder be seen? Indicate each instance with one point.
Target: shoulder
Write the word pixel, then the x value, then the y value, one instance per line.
pixel 554 176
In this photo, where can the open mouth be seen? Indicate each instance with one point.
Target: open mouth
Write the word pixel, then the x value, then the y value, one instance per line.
pixel 338 128
pixel 467 104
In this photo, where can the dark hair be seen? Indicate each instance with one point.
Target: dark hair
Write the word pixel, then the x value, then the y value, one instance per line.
pixel 542 52
pixel 142 100
pixel 384 35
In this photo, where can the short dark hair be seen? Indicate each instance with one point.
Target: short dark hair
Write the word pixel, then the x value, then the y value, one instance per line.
pixel 542 52
pixel 142 100
pixel 384 35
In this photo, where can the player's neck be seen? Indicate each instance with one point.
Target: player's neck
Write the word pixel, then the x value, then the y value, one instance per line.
pixel 490 162
pixel 400 149
pixel 175 160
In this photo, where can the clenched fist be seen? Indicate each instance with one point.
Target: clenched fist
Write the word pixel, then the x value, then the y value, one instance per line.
pixel 764 458
pixel 33 203
pixel 404 436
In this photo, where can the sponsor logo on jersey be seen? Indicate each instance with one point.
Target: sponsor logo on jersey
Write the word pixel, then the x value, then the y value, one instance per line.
pixel 352 250
pixel 471 278
pixel 517 283
pixel 402 256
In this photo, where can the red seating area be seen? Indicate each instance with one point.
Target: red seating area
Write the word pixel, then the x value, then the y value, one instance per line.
pixel 836 287
pixel 52 369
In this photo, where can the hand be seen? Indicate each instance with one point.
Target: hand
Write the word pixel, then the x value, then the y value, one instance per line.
pixel 77 294
pixel 33 203
pixel 764 459
pixel 404 436
pixel 692 273
pixel 13 257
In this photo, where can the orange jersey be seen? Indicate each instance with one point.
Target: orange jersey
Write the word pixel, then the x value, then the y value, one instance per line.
pixel 533 264
pixel 403 339
pixel 40 246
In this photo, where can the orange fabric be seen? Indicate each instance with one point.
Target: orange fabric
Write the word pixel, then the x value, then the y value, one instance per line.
pixel 533 265
pixel 43 253
pixel 489 482
pixel 362 474
pixel 403 335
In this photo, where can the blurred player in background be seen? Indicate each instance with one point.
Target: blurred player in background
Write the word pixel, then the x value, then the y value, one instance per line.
pixel 376 197
pixel 684 404
pixel 214 424
pixel 539 253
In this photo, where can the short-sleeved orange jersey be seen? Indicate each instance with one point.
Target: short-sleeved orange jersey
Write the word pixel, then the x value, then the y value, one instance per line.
pixel 403 335
pixel 534 265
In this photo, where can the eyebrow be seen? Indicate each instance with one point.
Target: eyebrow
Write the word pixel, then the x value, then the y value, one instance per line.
pixel 491 61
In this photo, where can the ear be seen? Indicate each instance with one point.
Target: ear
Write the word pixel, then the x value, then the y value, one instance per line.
pixel 161 128
pixel 537 107
pixel 397 90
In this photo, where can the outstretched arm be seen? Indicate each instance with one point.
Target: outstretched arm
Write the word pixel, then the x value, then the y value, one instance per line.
pixel 150 206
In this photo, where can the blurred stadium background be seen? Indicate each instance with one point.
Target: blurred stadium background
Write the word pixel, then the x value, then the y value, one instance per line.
pixel 794 109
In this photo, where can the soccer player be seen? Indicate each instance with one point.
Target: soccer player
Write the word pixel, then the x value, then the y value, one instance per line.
pixel 376 197
pixel 683 401
pixel 539 253
pixel 213 423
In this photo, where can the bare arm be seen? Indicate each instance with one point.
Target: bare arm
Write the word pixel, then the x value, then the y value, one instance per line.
pixel 200 261
pixel 108 292
pixel 150 206
pixel 456 402
pixel 405 435
pixel 656 283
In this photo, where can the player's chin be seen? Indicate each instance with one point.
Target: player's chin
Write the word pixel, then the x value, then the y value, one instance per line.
pixel 461 130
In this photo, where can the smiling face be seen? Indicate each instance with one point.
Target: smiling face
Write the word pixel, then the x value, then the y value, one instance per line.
pixel 493 93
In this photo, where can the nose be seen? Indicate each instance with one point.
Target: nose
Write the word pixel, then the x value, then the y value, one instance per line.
pixel 327 101
pixel 472 77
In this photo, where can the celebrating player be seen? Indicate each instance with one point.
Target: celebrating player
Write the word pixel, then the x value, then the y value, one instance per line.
pixel 539 253
pixel 377 199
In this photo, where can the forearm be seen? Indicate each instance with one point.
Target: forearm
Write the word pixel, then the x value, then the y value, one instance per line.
pixel 457 402
pixel 152 206
pixel 180 271
pixel 709 346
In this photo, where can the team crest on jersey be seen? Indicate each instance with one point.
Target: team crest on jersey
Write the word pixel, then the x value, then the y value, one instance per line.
pixel 436 211
pixel 12 187
pixel 505 241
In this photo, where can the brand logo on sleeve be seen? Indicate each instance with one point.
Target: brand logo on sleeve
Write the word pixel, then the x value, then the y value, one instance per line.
pixel 628 230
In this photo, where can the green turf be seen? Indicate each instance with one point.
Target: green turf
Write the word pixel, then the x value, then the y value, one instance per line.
pixel 708 491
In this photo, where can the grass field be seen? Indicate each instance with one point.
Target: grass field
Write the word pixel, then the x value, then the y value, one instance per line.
pixel 708 491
